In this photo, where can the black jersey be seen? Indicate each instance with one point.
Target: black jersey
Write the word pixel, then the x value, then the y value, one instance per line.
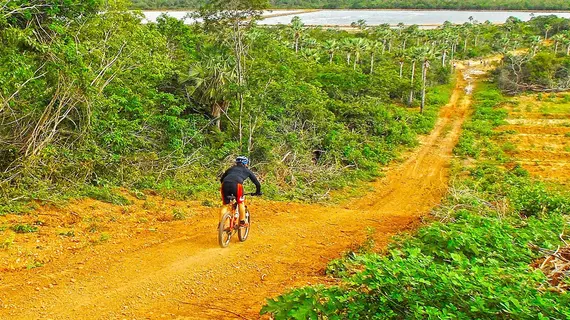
pixel 238 174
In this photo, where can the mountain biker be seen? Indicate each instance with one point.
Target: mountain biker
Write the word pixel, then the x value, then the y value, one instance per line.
pixel 232 185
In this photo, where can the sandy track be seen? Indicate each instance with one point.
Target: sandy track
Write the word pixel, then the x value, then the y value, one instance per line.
pixel 182 273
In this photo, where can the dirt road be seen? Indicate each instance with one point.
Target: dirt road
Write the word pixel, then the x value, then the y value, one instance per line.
pixel 180 272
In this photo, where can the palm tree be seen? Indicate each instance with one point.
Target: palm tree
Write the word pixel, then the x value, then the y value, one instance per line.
pixel 347 46
pixel 382 34
pixel 373 47
pixel 466 28
pixel 426 54
pixel 360 24
pixel 413 55
pixel 209 82
pixel 504 42
pixel 535 43
pixel 557 39
pixel 297 28
pixel 359 45
pixel 311 53
pixel 454 40
pixel 566 42
pixel 401 57
pixel 331 46
pixel 547 29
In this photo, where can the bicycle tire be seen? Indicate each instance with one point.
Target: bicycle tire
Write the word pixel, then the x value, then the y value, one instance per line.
pixel 224 231
pixel 244 232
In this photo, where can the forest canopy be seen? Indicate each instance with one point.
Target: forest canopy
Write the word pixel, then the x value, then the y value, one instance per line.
pixel 378 4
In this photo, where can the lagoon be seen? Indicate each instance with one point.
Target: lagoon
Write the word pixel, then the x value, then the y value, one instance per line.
pixel 377 17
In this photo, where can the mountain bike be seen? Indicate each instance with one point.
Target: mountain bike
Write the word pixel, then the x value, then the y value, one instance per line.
pixel 229 225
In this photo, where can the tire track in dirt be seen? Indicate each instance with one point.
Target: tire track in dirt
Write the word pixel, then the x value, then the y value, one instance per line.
pixel 184 274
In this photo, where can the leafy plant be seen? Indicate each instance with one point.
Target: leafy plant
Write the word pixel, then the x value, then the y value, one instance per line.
pixel 24 228
pixel 178 214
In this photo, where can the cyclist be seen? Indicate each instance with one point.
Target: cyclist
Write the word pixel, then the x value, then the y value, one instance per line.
pixel 232 185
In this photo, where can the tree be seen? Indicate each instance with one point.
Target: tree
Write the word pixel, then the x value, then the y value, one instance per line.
pixel 426 54
pixel 209 84
pixel 359 46
pixel 401 58
pixel 297 29
pixel 547 29
pixel 414 55
pixel 229 20
pixel 331 46
pixel 348 46
pixel 557 38
pixel 373 47
pixel 536 41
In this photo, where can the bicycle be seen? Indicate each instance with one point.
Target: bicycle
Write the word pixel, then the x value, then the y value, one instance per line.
pixel 229 225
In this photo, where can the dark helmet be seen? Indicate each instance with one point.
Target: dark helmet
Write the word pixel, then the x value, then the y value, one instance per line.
pixel 243 160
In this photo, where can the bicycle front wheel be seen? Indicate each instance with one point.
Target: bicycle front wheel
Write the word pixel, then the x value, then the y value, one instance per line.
pixel 244 231
pixel 225 230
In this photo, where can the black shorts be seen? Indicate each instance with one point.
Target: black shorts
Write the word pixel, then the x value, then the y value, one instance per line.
pixel 232 189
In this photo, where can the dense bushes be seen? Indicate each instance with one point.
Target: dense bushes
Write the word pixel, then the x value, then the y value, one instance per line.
pixel 476 266
pixel 102 100
pixel 474 262
pixel 545 71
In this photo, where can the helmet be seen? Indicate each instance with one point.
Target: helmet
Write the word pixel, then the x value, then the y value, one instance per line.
pixel 243 160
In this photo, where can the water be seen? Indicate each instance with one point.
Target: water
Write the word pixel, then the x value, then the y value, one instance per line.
pixel 152 15
pixel 377 17
pixel 408 17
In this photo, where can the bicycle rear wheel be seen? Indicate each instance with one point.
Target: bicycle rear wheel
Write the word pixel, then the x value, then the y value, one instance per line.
pixel 225 231
pixel 244 232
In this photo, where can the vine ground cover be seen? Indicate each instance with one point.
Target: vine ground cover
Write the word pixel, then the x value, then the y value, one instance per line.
pixel 474 261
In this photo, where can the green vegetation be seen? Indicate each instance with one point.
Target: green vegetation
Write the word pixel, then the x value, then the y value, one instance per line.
pixel 377 4
pixel 178 214
pixel 545 66
pixel 105 194
pixel 473 262
pixel 24 228
pixel 97 102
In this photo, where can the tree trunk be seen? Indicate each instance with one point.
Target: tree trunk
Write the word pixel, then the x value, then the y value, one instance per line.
pixel 401 68
pixel 331 58
pixel 217 113
pixel 465 45
pixel 411 100
pixel 355 61
pixel 424 78
pixel 443 58
pixel 372 63
pixel 348 59
pixel 453 55
pixel 296 43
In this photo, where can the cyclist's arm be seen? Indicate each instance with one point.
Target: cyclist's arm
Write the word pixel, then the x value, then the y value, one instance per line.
pixel 255 181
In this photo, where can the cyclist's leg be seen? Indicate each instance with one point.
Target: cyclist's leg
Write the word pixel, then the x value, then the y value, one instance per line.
pixel 225 208
pixel 241 202
pixel 223 211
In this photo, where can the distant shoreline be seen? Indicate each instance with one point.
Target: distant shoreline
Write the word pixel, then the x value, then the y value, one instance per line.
pixel 393 9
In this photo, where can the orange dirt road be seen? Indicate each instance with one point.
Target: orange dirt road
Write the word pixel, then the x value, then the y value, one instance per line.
pixel 181 273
